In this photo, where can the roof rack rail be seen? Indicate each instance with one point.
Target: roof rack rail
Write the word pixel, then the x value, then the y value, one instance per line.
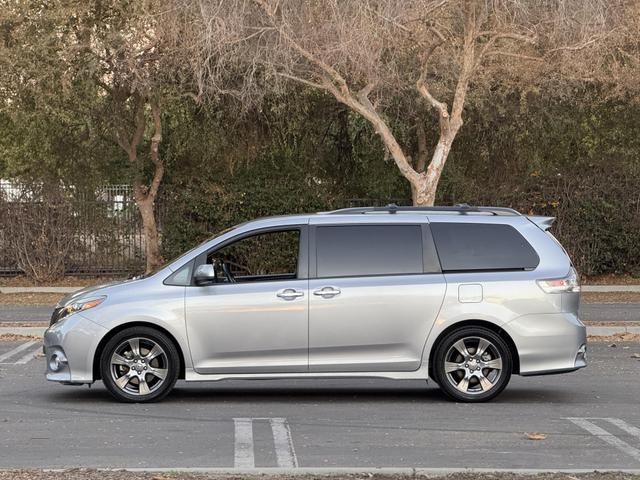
pixel 460 208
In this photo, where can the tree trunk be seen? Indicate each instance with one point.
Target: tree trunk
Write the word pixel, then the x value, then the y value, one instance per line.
pixel 423 189
pixel 145 196
pixel 146 207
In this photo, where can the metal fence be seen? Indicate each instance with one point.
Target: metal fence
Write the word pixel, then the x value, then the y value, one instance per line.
pixel 101 230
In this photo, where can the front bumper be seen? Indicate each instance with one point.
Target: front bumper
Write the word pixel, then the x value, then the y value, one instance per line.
pixel 549 343
pixel 73 341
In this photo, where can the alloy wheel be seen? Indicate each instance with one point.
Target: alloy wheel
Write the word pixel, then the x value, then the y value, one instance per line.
pixel 473 365
pixel 139 366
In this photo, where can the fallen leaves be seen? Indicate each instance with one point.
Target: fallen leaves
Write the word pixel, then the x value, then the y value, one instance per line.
pixel 12 337
pixel 618 337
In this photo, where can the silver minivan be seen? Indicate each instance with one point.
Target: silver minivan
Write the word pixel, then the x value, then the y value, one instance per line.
pixel 465 296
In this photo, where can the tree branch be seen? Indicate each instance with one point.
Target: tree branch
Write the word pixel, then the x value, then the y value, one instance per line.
pixel 423 90
pixel 328 69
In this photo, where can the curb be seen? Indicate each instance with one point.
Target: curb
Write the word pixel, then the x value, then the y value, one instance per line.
pixel 401 471
pixel 597 331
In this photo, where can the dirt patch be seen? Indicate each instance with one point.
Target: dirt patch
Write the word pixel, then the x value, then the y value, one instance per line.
pixel 30 298
pixel 597 323
pixel 618 337
pixel 23 324
pixel 83 474
pixel 10 337
pixel 610 297
pixel 22 281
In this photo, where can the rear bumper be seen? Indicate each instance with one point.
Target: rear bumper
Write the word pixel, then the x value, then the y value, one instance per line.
pixel 549 343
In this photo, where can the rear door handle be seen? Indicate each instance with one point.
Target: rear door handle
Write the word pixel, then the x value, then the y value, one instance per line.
pixel 289 294
pixel 327 292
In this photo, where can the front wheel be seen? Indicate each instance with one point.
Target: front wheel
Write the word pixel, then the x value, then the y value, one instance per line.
pixel 139 365
pixel 472 364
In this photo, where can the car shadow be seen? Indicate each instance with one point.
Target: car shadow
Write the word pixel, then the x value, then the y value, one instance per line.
pixel 266 392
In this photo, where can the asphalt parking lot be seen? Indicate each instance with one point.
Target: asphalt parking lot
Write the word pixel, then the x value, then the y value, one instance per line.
pixel 589 420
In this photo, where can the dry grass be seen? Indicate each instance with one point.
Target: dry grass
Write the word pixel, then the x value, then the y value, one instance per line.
pixel 610 297
pixel 611 280
pixel 22 281
pixel 11 337
pixel 90 474
pixel 30 298
pixel 618 337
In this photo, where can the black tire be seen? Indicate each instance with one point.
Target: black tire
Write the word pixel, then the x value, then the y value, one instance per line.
pixel 476 391
pixel 167 363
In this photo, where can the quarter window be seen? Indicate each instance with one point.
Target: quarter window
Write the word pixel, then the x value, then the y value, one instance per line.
pixel 360 250
pixel 482 246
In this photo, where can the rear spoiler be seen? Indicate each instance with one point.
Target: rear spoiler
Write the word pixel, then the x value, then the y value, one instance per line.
pixel 544 223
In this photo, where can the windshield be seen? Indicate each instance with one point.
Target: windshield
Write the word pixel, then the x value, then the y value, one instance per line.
pixel 175 259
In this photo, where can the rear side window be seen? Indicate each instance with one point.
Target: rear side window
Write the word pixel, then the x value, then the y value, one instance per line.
pixel 360 250
pixel 482 246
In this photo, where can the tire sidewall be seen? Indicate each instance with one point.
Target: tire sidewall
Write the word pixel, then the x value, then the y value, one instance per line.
pixel 440 376
pixel 161 339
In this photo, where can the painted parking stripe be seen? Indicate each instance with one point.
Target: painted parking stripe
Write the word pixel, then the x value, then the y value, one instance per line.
pixel 625 427
pixel 285 452
pixel 29 356
pixel 244 456
pixel 15 351
pixel 605 436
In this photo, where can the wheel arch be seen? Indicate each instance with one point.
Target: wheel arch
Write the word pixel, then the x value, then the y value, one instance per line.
pixel 477 323
pixel 124 326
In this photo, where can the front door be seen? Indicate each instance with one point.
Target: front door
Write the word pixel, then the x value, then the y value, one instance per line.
pixel 254 317
pixel 374 299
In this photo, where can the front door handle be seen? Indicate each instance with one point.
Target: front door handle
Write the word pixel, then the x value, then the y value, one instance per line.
pixel 289 294
pixel 327 292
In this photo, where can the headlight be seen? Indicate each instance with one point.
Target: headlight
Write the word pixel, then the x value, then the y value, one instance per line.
pixel 76 307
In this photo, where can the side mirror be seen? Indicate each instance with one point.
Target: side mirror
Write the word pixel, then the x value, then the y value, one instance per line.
pixel 205 274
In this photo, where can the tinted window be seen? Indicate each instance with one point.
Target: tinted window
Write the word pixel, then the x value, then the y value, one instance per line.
pixel 346 251
pixel 265 256
pixel 482 246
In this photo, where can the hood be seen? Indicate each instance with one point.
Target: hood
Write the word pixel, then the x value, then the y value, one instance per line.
pixel 95 290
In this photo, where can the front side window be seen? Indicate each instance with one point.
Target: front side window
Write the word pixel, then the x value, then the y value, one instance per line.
pixel 362 250
pixel 261 257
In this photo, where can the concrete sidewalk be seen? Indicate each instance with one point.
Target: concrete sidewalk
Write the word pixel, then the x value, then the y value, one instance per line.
pixel 585 288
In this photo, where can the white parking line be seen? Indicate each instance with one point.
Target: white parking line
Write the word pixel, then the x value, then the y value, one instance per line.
pixel 29 356
pixel 244 457
pixel 607 437
pixel 16 350
pixel 624 426
pixel 285 452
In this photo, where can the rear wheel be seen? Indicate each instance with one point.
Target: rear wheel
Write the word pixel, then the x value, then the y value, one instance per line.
pixel 139 364
pixel 472 364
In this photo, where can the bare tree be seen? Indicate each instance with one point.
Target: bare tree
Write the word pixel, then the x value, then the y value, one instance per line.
pixel 366 53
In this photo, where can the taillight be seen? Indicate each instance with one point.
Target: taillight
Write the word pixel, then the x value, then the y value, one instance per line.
pixel 561 285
